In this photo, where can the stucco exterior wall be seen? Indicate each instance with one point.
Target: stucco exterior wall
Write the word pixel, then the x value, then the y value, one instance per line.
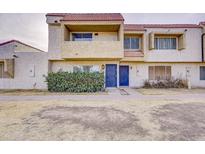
pixel 68 65
pixel 7 51
pixel 138 72
pixel 92 49
pixel 105 36
pixel 23 78
pixel 29 69
pixel 54 39
pixel 192 52
pixel 23 48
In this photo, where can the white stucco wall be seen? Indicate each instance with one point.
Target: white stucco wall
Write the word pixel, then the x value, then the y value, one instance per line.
pixel 138 72
pixel 7 51
pixel 26 61
pixel 192 53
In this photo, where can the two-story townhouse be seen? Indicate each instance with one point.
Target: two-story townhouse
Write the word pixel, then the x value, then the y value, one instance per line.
pixel 128 54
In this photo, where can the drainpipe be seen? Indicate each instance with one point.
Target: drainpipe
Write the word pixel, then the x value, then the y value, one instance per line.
pixel 202 47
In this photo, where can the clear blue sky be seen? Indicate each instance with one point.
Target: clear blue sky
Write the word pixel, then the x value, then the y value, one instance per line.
pixel 32 28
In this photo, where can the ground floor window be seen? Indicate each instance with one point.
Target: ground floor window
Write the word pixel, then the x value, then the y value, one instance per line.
pixel 1 70
pixel 202 72
pixel 86 68
pixel 159 72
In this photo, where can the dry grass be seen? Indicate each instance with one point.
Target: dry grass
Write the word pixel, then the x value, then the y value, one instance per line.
pixel 171 91
pixel 86 120
pixel 35 92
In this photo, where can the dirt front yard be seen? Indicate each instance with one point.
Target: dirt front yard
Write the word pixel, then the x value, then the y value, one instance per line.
pixel 114 119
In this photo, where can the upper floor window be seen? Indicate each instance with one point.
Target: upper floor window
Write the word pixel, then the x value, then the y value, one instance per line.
pixel 82 36
pixel 132 43
pixel 162 43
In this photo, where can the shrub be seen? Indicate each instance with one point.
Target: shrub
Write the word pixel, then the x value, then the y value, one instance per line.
pixel 172 83
pixel 75 82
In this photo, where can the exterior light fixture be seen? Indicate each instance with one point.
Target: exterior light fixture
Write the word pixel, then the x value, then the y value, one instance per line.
pixel 103 66
pixel 15 56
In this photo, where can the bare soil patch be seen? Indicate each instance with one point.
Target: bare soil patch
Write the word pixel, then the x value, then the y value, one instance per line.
pixel 173 119
pixel 181 121
pixel 101 119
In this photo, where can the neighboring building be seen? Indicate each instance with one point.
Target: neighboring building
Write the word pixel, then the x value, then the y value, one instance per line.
pixel 22 66
pixel 128 54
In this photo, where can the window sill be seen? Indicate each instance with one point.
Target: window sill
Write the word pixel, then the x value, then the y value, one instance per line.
pixel 132 50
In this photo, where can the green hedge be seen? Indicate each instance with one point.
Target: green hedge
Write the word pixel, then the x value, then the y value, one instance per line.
pixel 75 82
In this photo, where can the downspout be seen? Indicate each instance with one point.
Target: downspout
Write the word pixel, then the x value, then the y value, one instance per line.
pixel 202 47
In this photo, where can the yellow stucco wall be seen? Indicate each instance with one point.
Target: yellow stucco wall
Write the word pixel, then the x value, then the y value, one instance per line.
pixel 108 44
pixel 92 49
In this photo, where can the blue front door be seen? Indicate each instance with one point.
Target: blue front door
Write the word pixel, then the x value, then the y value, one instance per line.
pixel 124 75
pixel 111 75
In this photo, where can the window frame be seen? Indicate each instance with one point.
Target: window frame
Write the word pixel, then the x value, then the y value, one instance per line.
pixel 165 73
pixel 130 44
pixel 200 73
pixel 72 33
pixel 166 37
pixel 2 73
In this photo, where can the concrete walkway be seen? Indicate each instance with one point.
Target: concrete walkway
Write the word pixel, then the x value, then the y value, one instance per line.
pixel 113 94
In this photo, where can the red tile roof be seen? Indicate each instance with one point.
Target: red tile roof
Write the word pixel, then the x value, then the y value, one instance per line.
pixel 56 14
pixel 140 27
pixel 171 26
pixel 89 16
pixel 202 23
pixel 10 41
